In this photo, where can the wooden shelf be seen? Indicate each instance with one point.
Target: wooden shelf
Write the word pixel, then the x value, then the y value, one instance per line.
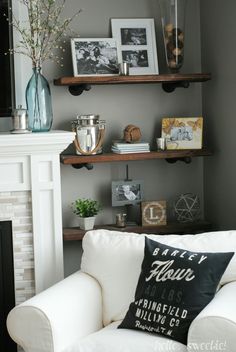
pixel 193 77
pixel 169 81
pixel 76 234
pixel 169 155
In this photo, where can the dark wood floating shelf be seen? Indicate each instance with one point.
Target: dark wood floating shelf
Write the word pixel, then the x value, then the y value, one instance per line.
pixel 171 156
pixel 169 81
pixel 76 234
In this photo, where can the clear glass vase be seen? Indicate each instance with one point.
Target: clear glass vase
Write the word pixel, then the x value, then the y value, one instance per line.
pixel 39 102
pixel 173 23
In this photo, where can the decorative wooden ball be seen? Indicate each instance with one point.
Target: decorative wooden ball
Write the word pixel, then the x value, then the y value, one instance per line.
pixel 180 59
pixel 176 31
pixel 181 37
pixel 169 27
pixel 177 51
pixel 170 46
pixel 179 44
pixel 172 64
pixel 174 43
pixel 132 133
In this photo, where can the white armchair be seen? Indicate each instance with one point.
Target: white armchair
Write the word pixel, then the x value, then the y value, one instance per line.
pixel 82 312
pixel 215 327
pixel 56 319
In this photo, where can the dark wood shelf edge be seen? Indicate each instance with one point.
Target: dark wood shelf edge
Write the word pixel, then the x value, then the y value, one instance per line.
pixel 76 234
pixel 112 157
pixel 132 79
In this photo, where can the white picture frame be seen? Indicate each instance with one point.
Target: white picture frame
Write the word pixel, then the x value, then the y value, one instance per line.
pixel 94 56
pixel 136 41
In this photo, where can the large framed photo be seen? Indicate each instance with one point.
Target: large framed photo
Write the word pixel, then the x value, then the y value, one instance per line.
pixel 126 192
pixel 94 57
pixel 182 132
pixel 136 44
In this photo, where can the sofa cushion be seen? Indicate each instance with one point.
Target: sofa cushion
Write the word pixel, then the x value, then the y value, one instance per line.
pixel 124 340
pixel 173 287
pixel 114 259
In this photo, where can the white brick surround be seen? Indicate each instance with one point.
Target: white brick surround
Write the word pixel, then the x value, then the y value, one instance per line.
pixel 17 207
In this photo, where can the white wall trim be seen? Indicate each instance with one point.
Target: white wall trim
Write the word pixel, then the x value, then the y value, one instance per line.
pixel 22 64
pixel 31 162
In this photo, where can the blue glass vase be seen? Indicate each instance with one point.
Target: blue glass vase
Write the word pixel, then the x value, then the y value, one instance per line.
pixel 39 102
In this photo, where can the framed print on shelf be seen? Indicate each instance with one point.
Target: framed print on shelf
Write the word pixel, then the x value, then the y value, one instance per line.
pixel 136 41
pixel 154 213
pixel 94 56
pixel 182 132
pixel 126 192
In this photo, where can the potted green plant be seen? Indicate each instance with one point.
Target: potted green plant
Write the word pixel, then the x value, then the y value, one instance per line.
pixel 86 209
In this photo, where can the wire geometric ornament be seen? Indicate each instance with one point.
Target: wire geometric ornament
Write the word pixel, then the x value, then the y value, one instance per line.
pixel 187 207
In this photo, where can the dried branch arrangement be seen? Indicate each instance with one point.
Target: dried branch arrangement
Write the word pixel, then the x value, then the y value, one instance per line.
pixel 44 31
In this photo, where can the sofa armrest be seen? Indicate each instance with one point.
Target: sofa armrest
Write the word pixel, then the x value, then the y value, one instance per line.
pixel 56 319
pixel 214 329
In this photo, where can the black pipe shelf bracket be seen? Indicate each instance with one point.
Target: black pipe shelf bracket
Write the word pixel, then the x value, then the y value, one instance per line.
pixel 171 86
pixel 186 160
pixel 78 89
pixel 88 166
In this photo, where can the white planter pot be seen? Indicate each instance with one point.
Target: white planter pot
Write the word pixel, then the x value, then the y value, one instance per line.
pixel 87 223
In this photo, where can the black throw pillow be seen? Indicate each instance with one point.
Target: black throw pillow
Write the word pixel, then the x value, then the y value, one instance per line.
pixel 173 287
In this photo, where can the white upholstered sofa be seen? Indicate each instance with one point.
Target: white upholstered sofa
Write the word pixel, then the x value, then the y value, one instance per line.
pixel 82 312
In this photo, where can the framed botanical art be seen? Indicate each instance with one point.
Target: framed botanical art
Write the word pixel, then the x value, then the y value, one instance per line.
pixel 182 132
pixel 127 192
pixel 136 44
pixel 94 57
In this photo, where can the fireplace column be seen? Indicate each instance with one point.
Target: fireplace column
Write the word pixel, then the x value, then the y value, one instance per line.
pixel 30 162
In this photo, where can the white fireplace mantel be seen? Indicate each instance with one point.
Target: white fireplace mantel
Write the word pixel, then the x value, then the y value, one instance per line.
pixel 30 162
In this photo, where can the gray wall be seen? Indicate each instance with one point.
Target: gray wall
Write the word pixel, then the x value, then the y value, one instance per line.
pixel 143 105
pixel 218 57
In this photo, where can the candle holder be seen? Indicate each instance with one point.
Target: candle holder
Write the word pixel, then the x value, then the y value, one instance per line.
pixel 173 23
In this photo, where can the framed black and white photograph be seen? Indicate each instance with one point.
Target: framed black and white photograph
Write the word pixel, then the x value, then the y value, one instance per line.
pixel 94 57
pixel 136 41
pixel 126 192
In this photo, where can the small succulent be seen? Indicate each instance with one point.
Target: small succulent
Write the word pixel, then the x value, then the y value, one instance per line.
pixel 86 207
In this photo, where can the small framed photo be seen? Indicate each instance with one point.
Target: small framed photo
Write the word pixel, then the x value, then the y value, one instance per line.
pixel 126 192
pixel 94 57
pixel 136 44
pixel 182 132
pixel 154 213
